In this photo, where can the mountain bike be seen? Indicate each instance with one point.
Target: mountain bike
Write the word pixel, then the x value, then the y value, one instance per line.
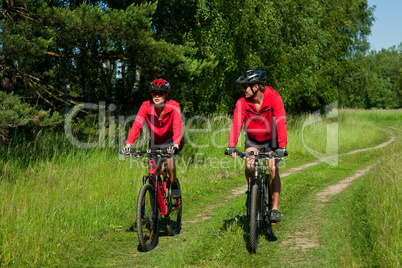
pixel 154 201
pixel 259 201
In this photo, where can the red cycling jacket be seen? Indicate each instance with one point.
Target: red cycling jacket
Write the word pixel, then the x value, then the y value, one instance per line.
pixel 170 126
pixel 257 124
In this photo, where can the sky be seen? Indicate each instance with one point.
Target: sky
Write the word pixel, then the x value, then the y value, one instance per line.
pixel 387 28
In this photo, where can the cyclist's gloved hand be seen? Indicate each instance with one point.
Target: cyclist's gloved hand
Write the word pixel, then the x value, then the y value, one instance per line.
pixel 173 149
pixel 281 152
pixel 230 150
pixel 125 150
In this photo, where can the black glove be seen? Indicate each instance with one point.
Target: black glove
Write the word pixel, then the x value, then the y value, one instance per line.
pixel 281 152
pixel 125 150
pixel 230 150
pixel 173 149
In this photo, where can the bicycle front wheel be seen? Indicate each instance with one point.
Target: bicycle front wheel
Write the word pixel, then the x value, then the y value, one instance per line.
pixel 254 217
pixel 147 218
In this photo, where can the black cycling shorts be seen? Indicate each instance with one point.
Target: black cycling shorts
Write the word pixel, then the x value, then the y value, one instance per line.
pixel 156 146
pixel 264 147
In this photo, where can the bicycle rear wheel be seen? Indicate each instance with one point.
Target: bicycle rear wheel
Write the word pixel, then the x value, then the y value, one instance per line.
pixel 147 218
pixel 254 217
pixel 173 219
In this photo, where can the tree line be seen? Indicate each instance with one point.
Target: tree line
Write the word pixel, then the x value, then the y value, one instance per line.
pixel 55 54
pixel 376 81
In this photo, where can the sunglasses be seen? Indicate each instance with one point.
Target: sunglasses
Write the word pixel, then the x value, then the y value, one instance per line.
pixel 245 86
pixel 158 93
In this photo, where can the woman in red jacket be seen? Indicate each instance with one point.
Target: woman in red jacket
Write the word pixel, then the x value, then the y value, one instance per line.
pixel 165 127
pixel 255 110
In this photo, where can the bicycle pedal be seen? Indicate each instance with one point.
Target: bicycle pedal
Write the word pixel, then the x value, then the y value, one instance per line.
pixel 273 223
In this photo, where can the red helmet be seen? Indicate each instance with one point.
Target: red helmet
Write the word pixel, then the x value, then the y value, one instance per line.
pixel 160 84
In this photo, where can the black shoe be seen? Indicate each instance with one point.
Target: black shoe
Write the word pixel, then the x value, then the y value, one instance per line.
pixel 275 216
pixel 175 190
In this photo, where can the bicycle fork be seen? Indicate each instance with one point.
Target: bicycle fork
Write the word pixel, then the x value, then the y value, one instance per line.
pixel 154 217
pixel 250 181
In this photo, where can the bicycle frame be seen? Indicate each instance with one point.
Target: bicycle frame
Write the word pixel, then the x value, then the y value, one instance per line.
pixel 154 175
pixel 258 187
pixel 158 177
pixel 261 180
pixel 155 189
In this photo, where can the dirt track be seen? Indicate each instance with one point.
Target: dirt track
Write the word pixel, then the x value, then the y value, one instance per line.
pixel 322 196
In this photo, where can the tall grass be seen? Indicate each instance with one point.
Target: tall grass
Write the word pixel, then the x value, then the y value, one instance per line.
pixel 372 208
pixel 384 204
pixel 373 222
pixel 48 211
pixel 383 197
pixel 352 133
pixel 55 199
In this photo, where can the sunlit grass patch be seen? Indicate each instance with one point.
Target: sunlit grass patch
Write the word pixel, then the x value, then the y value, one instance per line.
pixel 56 199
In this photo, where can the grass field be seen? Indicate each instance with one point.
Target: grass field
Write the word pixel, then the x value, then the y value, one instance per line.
pixel 66 206
pixel 372 208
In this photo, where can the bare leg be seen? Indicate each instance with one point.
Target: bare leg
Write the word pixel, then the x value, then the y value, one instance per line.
pixel 275 182
pixel 171 169
pixel 250 163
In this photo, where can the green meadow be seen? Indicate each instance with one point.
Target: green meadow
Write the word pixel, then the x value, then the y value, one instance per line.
pixel 64 206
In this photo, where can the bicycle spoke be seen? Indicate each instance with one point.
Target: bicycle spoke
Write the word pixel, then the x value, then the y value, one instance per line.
pixel 173 219
pixel 147 218
pixel 254 218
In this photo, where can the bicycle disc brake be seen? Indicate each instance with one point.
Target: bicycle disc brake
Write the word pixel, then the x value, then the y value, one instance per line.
pixel 150 223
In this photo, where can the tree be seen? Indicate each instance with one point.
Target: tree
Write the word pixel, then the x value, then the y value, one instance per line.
pixel 302 44
pixel 89 49
pixel 384 82
pixel 63 52
pixel 14 114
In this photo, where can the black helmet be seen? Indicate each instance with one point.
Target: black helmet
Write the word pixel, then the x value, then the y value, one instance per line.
pixel 160 84
pixel 252 77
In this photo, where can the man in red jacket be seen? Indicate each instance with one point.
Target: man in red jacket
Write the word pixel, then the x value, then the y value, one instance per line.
pixel 165 127
pixel 255 110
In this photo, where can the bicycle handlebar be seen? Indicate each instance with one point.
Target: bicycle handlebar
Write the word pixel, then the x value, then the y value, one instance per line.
pixel 259 155
pixel 149 152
